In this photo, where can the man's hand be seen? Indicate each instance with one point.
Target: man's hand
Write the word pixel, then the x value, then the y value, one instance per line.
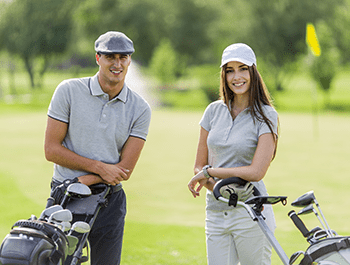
pixel 113 174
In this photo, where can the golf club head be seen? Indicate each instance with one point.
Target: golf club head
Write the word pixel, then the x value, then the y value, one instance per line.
pixel 79 190
pixel 306 210
pixel 66 226
pixel 81 227
pixel 72 243
pixel 33 217
pixel 61 216
pixel 304 200
pixel 63 226
pixel 295 256
pixel 48 211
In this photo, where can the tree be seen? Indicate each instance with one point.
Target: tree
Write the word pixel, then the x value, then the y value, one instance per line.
pixel 277 30
pixel 324 68
pixel 340 26
pixel 184 22
pixel 190 30
pixel 141 20
pixel 36 30
pixel 164 64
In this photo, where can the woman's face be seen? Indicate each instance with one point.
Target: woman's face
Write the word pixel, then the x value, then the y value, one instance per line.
pixel 238 78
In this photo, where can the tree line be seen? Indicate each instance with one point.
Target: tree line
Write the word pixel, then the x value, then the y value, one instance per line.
pixel 196 32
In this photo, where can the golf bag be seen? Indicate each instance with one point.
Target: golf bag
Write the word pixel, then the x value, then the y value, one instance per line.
pixel 44 242
pixel 32 242
pixel 86 209
pixel 326 247
pixel 333 250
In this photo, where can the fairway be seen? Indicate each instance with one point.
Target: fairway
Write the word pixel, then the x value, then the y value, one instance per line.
pixel 164 224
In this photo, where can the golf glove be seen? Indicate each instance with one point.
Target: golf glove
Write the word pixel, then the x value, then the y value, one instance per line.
pixel 237 192
pixel 58 192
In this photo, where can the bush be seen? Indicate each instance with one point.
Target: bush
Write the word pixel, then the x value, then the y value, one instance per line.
pixel 208 77
pixel 164 64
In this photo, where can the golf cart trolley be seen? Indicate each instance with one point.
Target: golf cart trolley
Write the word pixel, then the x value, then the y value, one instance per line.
pixel 326 247
pixel 61 230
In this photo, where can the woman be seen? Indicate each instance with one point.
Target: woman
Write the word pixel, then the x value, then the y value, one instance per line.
pixel 238 138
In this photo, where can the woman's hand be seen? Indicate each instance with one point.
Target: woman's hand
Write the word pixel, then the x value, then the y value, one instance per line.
pixel 199 179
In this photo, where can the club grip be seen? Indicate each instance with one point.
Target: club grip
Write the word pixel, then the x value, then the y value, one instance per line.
pixel 50 202
pixel 298 223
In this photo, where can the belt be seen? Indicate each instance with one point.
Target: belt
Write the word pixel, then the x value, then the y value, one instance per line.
pixel 114 188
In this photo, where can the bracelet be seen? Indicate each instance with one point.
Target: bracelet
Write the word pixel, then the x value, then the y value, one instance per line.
pixel 205 171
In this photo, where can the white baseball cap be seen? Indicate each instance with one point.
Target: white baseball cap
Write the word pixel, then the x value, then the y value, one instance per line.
pixel 238 52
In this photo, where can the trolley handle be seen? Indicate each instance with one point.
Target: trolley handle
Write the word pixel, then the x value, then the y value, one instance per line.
pixel 298 223
pixel 223 182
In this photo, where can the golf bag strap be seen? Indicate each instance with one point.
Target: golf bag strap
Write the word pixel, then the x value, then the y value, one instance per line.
pixel 341 244
pixel 18 232
pixel 55 256
pixel 48 230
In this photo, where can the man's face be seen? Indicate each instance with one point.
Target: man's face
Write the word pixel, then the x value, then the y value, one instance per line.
pixel 113 67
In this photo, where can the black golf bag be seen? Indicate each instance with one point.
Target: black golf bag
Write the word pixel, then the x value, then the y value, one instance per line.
pixel 32 242
pixel 86 209
pixel 38 242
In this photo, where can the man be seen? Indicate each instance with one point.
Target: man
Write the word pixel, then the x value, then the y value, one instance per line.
pixel 96 129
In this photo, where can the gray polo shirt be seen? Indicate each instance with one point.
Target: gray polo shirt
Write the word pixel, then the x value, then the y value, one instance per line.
pixel 232 143
pixel 98 127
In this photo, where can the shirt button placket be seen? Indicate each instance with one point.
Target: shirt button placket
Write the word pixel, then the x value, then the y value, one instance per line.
pixel 104 112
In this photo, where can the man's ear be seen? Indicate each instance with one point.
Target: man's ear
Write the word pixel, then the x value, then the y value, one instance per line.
pixel 98 58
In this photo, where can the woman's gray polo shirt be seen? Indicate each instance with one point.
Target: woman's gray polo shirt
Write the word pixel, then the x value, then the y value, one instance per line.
pixel 97 127
pixel 232 143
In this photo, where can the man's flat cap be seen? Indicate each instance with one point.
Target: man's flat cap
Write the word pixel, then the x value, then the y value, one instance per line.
pixel 114 42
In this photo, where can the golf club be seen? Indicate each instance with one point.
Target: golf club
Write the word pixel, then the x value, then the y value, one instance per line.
pixel 307 199
pixel 61 216
pixel 64 226
pixel 80 227
pixel 48 211
pixel 33 217
pixel 72 243
pixel 309 209
pixel 295 256
pixel 78 190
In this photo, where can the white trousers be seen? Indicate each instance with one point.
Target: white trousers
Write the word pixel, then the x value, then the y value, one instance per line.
pixel 233 237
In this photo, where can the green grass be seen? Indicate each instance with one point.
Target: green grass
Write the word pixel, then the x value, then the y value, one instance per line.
pixel 163 244
pixel 164 224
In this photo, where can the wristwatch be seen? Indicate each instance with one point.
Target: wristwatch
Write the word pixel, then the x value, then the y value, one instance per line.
pixel 205 171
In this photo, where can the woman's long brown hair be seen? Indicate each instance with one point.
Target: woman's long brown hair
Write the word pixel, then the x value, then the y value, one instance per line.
pixel 259 96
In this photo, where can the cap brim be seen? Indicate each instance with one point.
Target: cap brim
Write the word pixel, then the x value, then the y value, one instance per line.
pixel 126 53
pixel 249 63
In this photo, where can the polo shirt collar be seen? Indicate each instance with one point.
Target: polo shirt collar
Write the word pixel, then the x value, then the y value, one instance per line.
pixel 96 90
pixel 123 94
